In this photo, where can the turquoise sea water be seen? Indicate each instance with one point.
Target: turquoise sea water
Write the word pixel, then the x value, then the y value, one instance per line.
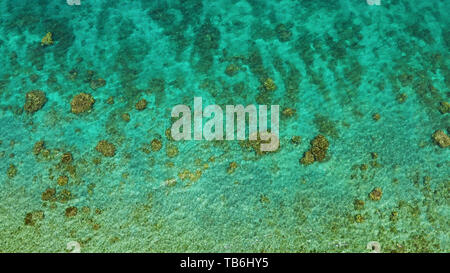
pixel 336 63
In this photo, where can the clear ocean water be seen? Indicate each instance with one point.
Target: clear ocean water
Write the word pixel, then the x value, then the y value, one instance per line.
pixel 373 80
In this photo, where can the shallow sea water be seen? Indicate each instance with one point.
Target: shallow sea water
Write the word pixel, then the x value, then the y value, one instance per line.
pixel 336 63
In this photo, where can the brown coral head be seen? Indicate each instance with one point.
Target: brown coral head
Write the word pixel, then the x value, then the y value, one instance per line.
pixel 47 39
pixel 82 103
pixel 94 84
pixel 156 145
pixel 441 139
pixel 71 211
pixel 269 85
pixel 376 194
pixel 141 105
pixel 307 159
pixel 66 158
pixel 48 194
pixel 34 100
pixel 319 147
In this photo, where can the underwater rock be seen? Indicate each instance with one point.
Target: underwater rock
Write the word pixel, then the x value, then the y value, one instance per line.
pixel 48 194
pixel 319 147
pixel 171 182
pixel 81 103
pixel 232 70
pixel 441 139
pixel 38 147
pixel 63 180
pixel 376 194
pixel 88 76
pixel 157 85
pixel 95 84
pixel 34 101
pixel 358 204
pixel 156 145
pixel 34 78
pixel 232 167
pixel 126 117
pixel 374 246
pixel 71 211
pixel 269 85
pixel 66 158
pixel 376 117
pixel 317 152
pixel 296 140
pixel 110 100
pixel 47 40
pixel 141 105
pixel 254 142
pixel 307 159
pixel 106 148
pixel 288 112
pixel 283 33
pixel 32 217
pixel 171 150
pixel 359 218
pixel 444 107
